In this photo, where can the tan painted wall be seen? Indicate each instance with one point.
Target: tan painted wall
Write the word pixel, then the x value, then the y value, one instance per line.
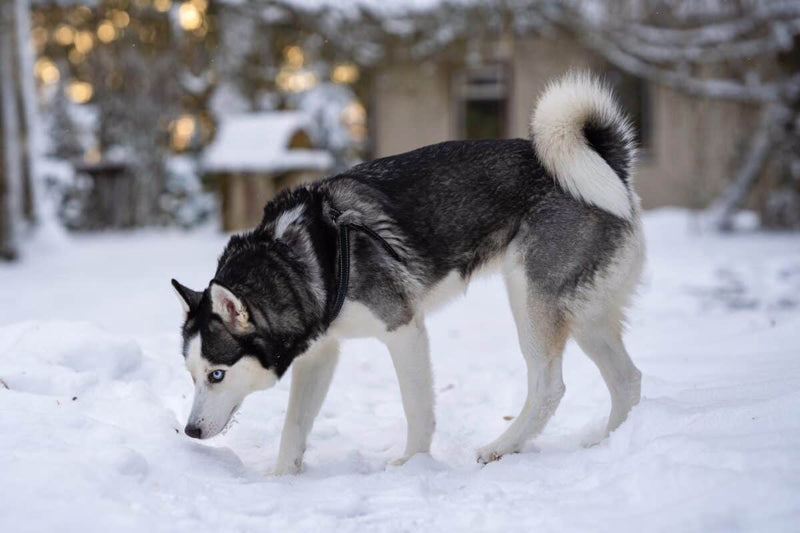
pixel 694 142
pixel 535 62
pixel 411 106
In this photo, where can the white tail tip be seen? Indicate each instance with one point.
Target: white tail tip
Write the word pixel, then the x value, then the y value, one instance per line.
pixel 558 125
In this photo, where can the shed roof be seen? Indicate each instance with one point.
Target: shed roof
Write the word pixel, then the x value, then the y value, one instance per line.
pixel 259 142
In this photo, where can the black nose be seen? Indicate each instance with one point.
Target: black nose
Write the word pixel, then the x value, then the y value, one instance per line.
pixel 193 431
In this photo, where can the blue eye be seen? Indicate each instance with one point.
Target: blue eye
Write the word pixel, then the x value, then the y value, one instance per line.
pixel 216 376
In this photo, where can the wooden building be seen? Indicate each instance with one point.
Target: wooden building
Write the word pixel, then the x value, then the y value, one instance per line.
pixel 256 155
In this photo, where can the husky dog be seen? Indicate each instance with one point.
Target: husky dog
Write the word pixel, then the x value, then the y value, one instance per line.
pixel 368 252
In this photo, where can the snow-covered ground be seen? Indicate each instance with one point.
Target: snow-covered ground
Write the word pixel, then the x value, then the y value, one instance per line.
pixel 90 424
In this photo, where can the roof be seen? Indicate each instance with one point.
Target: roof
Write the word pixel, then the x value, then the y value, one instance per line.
pixel 259 142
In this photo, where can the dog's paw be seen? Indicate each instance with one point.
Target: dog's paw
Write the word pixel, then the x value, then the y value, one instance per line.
pixel 488 456
pixel 406 458
pixel 493 452
pixel 288 468
pixel 400 461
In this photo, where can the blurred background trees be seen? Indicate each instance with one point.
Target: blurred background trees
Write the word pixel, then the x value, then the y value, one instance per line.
pixel 17 124
pixel 108 106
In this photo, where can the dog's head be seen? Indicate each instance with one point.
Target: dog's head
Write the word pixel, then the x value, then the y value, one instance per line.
pixel 225 356
pixel 263 309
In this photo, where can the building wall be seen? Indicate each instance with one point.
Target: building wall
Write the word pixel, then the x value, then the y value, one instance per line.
pixel 535 62
pixel 695 147
pixel 411 107
pixel 695 142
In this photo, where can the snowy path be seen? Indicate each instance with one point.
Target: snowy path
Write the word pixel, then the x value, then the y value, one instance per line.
pixel 89 428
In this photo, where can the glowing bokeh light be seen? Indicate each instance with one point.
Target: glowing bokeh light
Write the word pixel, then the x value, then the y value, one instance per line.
pixel 120 18
pixel 80 92
pixel 183 129
pixel 189 17
pixel 46 71
pixel 345 73
pixel 64 35
pixel 84 41
pixel 294 56
pixel 162 6
pixel 75 57
pixel 293 81
pixel 106 31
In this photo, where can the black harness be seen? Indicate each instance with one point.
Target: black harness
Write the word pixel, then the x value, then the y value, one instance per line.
pixel 343 261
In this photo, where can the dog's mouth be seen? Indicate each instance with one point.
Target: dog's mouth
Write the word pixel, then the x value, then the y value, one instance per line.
pixel 231 419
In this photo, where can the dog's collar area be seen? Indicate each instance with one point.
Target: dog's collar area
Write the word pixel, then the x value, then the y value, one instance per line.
pixel 343 260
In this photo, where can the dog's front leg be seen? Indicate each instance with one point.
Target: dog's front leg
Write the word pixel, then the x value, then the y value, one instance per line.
pixel 408 346
pixel 311 378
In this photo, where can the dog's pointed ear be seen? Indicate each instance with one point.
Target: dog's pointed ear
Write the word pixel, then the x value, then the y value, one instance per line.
pixel 189 299
pixel 230 308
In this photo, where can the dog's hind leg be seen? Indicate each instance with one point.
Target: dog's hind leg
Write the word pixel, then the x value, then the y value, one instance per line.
pixel 408 346
pixel 311 378
pixel 601 339
pixel 543 332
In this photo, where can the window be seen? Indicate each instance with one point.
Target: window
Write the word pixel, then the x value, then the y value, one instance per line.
pixel 634 97
pixel 483 103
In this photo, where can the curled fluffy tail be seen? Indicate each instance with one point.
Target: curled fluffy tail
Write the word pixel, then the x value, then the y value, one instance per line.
pixel 585 141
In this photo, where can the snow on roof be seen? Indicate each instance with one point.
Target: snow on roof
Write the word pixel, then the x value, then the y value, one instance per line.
pixel 259 142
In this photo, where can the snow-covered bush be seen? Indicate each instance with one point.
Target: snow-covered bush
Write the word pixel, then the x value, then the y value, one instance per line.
pixel 184 202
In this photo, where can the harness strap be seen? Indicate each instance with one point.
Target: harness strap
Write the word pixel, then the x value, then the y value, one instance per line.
pixel 343 261
pixel 343 273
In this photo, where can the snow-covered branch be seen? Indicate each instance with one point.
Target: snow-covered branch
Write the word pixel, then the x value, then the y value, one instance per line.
pixel 666 63
pixel 733 197
pixel 780 39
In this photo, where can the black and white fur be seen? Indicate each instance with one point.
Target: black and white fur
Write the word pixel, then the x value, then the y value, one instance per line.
pixel 557 215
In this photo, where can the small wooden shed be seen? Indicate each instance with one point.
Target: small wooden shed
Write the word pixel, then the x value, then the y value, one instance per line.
pixel 254 156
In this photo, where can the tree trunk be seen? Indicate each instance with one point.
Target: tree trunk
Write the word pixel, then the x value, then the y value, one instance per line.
pixel 10 192
pixel 27 98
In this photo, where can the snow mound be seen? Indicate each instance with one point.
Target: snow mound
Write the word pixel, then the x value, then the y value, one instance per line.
pixel 82 429
pixel 59 358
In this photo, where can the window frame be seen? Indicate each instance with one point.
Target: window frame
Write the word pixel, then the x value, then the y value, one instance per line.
pixel 464 91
